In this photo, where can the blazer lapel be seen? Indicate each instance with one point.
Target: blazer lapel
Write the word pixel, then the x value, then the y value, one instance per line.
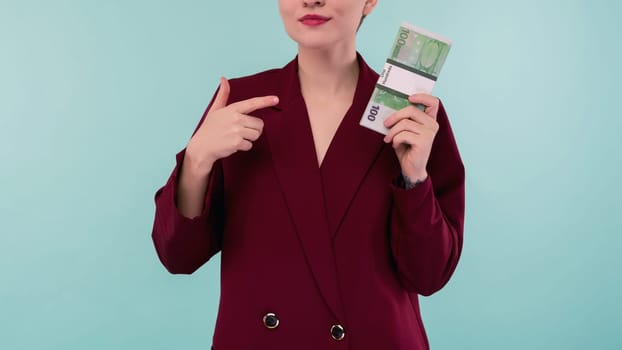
pixel 288 133
pixel 353 150
pixel 318 198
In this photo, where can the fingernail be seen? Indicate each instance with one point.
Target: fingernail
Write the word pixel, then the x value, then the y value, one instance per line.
pixel 275 99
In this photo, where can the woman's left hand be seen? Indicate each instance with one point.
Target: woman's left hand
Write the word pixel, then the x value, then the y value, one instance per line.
pixel 412 132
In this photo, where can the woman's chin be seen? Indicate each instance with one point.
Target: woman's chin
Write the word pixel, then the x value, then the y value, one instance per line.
pixel 315 44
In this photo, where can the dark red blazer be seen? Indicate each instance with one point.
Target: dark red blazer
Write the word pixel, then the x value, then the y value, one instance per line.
pixel 341 244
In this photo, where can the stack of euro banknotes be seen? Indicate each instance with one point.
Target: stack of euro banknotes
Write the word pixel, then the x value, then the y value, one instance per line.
pixel 413 66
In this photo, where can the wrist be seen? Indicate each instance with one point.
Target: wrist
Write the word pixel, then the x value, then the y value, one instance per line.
pixel 416 175
pixel 197 167
pixel 412 181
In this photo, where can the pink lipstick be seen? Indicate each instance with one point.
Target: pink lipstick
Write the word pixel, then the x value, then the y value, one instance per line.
pixel 313 20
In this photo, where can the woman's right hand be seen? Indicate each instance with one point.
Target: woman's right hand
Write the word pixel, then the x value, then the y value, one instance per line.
pixel 226 129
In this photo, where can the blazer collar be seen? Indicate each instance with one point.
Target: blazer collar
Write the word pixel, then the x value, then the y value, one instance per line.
pixel 318 197
pixel 353 148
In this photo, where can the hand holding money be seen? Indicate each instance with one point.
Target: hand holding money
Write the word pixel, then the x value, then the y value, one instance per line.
pixel 412 132
pixel 401 106
pixel 413 66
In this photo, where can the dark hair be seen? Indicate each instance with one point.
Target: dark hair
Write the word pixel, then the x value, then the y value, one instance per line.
pixel 361 22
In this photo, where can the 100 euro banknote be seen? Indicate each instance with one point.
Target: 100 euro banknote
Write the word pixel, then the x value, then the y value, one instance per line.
pixel 413 66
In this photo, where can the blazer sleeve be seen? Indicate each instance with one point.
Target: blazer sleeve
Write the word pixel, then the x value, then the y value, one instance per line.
pixel 427 221
pixel 184 244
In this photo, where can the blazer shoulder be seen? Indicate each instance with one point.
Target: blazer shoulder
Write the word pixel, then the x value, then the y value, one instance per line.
pixel 255 85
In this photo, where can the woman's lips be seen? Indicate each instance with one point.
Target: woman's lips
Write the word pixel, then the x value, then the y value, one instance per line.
pixel 313 20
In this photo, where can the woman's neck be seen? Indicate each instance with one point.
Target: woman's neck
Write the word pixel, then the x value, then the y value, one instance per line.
pixel 327 74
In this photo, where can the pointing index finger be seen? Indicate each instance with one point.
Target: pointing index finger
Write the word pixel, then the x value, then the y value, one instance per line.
pixel 255 103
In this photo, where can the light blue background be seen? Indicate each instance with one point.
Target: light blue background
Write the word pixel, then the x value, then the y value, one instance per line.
pixel 96 97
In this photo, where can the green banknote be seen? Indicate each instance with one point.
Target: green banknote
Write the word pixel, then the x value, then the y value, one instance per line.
pixel 413 66
pixel 420 52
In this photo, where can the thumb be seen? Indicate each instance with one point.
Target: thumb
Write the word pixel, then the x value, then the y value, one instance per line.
pixel 223 94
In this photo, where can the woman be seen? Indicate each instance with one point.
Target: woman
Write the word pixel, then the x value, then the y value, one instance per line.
pixel 328 231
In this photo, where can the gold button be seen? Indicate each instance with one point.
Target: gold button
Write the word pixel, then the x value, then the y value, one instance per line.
pixel 270 321
pixel 337 332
